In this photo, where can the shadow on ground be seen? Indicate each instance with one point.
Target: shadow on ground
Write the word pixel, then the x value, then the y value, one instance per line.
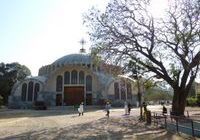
pixel 18 113
pixel 116 128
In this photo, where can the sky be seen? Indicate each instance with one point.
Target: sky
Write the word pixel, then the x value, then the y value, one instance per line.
pixel 38 32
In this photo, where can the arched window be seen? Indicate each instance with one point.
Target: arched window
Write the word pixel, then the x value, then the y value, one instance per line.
pixel 53 67
pixel 89 83
pixel 46 70
pixel 81 77
pixel 123 90
pixel 49 68
pixel 116 87
pixel 37 89
pixel 24 89
pixel 67 77
pixel 59 83
pixel 30 91
pixel 129 91
pixel 74 77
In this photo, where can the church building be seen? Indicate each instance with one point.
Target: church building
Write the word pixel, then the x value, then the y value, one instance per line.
pixel 73 79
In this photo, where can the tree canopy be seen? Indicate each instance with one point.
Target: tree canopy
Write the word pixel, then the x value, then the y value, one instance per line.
pixel 9 74
pixel 168 46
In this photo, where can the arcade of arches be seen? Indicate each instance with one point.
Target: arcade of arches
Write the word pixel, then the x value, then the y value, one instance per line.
pixel 30 92
pixel 74 87
pixel 73 79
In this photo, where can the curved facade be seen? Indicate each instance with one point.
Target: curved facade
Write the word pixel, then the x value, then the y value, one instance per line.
pixel 73 79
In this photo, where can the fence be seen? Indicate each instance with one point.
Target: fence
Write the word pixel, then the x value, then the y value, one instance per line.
pixel 177 123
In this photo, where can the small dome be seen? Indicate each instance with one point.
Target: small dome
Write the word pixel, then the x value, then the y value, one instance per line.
pixel 73 59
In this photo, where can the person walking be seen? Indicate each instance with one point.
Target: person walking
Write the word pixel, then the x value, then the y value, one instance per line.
pixel 80 109
pixel 129 108
pixel 164 110
pixel 126 108
pixel 108 106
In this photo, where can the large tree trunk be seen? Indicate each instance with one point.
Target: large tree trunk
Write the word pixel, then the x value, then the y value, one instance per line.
pixel 179 102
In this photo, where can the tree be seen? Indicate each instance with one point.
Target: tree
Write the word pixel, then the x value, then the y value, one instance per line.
pixel 9 74
pixel 157 94
pixel 168 47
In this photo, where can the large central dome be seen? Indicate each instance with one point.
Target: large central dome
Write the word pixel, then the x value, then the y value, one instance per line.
pixel 73 59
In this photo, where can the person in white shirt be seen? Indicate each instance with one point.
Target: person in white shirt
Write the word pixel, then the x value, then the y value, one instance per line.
pixel 80 109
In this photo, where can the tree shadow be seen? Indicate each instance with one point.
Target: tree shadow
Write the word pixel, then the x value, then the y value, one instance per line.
pixel 114 128
pixel 19 113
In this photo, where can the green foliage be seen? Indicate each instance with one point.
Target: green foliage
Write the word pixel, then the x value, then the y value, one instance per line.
pixel 135 68
pixel 192 91
pixel 198 99
pixel 174 71
pixel 191 101
pixel 95 57
pixel 21 71
pixel 149 84
pixel 156 95
pixel 126 31
pixel 9 74
pixel 1 101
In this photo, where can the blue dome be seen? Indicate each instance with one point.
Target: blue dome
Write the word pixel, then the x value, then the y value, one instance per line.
pixel 73 59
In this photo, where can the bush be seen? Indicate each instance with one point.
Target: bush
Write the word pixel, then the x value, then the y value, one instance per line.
pixel 101 102
pixel 198 99
pixel 1 101
pixel 191 101
pixel 39 105
pixel 118 103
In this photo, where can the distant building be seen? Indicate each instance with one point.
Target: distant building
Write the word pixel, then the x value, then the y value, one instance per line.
pixel 73 79
pixel 197 88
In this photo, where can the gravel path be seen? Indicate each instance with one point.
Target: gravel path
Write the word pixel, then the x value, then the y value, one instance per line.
pixel 62 124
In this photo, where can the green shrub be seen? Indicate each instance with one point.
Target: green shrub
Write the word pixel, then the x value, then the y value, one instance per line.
pixel 198 99
pixel 191 101
pixel 1 101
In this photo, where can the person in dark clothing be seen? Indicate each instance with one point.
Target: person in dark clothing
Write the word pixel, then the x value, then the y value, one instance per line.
pixel 107 108
pixel 145 106
pixel 164 110
pixel 129 108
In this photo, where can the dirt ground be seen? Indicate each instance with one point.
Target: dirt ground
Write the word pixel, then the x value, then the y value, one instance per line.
pixel 64 123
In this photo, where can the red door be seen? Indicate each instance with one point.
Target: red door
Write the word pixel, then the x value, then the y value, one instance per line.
pixel 73 95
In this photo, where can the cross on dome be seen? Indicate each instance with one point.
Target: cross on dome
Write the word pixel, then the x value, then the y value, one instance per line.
pixel 82 42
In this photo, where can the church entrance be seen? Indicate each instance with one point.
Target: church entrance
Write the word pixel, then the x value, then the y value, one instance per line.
pixel 88 99
pixel 58 99
pixel 73 95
